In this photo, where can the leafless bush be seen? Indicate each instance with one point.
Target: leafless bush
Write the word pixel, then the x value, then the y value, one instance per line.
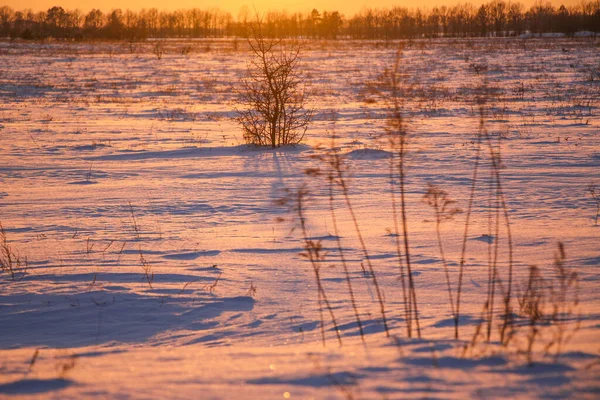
pixel 158 49
pixel 186 50
pixel 132 45
pixel 272 99
pixel 478 67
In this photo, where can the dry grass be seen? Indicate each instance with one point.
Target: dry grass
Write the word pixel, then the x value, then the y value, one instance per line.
pixel 11 262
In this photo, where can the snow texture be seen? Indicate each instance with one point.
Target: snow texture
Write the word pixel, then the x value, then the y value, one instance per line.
pixel 162 265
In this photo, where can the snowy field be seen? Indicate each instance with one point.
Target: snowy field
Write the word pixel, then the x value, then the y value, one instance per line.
pixel 162 263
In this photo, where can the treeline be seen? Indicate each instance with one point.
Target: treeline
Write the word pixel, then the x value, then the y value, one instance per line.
pixel 496 18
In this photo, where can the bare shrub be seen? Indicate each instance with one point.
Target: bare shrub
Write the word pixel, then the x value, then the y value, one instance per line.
pixel 478 68
pixel 272 99
pixel 132 45
pixel 158 49
pixel 186 50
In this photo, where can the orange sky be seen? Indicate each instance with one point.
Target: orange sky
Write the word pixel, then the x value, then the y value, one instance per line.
pixel 347 7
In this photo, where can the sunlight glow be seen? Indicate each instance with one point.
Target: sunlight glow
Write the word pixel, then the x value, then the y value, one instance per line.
pixel 234 6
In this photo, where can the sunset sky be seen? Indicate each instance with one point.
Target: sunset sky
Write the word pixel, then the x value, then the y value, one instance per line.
pixel 345 6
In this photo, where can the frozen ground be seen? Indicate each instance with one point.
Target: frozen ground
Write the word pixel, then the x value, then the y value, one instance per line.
pixel 160 265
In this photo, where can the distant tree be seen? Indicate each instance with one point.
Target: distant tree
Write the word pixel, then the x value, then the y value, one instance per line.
pixel 7 15
pixel 55 21
pixel 540 17
pixel 482 20
pixel 515 18
pixel 115 26
pixel 314 23
pixel 494 18
pixel 334 24
pixel 497 16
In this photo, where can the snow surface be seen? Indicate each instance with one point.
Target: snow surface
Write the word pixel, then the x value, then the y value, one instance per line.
pixel 113 163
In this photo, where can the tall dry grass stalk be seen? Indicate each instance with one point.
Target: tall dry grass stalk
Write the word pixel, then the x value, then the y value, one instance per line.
pixel 548 306
pixel 463 251
pixel 146 267
pixel 336 165
pixel 391 84
pixel 340 179
pixel 313 250
pixel 335 175
pixel 564 300
pixel 444 210
pixel 549 303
